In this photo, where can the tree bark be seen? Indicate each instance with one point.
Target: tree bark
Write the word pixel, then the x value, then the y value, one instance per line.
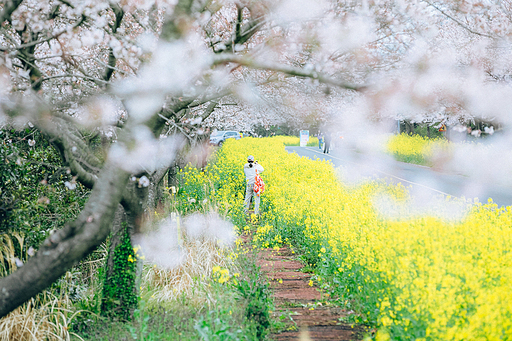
pixel 120 289
pixel 155 188
pixel 409 128
pixel 128 218
pixel 117 227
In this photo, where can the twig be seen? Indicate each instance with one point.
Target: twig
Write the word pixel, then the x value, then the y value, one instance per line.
pixel 53 36
pixel 290 70
pixel 175 125
pixel 457 21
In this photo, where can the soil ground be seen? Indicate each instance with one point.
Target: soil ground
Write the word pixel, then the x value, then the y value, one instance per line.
pixel 305 311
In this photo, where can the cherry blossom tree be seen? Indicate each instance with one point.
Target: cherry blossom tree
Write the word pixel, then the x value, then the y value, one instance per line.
pixel 150 76
pixel 131 72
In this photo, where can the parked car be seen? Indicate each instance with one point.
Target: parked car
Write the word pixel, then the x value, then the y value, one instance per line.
pixel 217 138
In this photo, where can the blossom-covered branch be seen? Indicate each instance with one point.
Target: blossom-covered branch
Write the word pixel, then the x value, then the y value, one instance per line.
pixel 286 69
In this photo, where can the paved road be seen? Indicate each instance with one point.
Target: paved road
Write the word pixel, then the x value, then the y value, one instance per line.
pixel 423 182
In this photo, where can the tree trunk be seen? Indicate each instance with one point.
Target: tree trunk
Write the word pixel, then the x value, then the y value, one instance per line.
pixel 408 128
pixel 115 240
pixel 123 268
pixel 155 188
pixel 119 296
pixel 172 175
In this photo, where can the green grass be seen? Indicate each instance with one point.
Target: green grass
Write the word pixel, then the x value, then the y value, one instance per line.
pixel 417 159
pixel 178 321
pixel 238 309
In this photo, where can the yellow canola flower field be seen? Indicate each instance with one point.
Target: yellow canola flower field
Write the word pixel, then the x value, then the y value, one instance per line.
pixel 416 149
pixel 418 278
pixel 295 141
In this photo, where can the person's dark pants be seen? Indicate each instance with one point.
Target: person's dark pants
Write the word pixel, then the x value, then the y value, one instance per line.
pixel 327 146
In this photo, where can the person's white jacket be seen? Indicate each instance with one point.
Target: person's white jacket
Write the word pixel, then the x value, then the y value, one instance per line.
pixel 250 172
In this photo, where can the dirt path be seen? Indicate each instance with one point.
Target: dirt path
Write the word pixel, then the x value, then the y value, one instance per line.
pixel 305 313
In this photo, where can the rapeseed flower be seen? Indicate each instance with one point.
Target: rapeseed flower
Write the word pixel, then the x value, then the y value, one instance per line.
pixel 420 277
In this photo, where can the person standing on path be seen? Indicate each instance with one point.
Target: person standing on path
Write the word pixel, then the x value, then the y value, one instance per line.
pixel 250 169
pixel 327 142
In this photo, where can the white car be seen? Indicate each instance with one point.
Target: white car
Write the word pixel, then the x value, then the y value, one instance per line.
pixel 217 138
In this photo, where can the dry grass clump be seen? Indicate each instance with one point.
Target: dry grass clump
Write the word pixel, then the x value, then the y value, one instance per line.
pixel 200 246
pixel 190 279
pixel 8 260
pixel 45 317
pixel 185 251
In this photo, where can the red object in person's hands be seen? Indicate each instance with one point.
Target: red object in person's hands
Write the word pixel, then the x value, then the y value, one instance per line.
pixel 259 185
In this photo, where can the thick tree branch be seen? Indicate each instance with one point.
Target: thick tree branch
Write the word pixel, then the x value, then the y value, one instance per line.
pixel 109 70
pixel 209 110
pixel 74 151
pixel 290 70
pixel 238 26
pixel 241 33
pixel 44 40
